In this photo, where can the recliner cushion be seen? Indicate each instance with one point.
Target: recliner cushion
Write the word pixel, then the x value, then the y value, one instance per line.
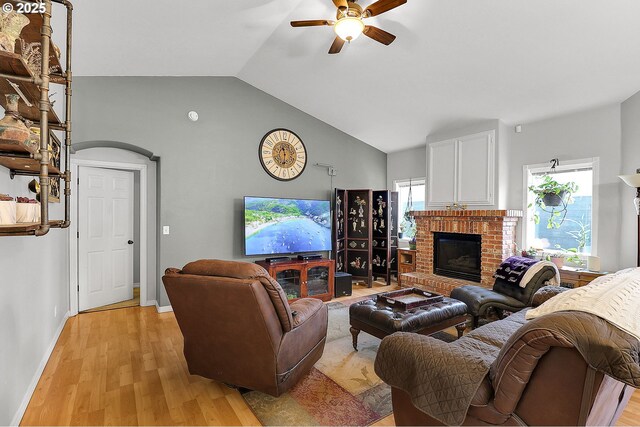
pixel 478 299
pixel 246 270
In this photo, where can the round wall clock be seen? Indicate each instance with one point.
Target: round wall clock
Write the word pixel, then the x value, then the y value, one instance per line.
pixel 282 154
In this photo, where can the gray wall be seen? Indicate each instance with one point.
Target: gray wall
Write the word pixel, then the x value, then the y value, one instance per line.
pixel 209 165
pixel 34 277
pixel 406 164
pixel 592 133
pixel 630 162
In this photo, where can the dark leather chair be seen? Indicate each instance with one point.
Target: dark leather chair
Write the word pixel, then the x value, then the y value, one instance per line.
pixel 565 368
pixel 503 296
pixel 239 328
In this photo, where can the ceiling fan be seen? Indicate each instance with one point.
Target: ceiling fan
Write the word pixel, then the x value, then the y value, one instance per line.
pixel 350 24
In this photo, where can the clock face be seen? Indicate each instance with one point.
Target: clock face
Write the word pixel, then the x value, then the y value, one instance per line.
pixel 283 154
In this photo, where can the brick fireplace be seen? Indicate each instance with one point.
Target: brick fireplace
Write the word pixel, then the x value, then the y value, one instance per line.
pixel 497 231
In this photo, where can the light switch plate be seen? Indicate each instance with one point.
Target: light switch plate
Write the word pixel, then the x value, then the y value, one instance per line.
pixel 165 230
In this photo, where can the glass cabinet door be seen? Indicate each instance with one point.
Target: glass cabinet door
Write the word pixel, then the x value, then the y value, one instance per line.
pixel 318 280
pixel 291 282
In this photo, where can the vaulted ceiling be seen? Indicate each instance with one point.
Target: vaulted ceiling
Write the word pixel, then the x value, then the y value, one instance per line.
pixel 455 62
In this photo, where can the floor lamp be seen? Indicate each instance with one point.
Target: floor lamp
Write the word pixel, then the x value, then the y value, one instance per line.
pixel 634 181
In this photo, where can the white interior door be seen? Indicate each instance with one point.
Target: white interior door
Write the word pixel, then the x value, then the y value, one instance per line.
pixel 105 241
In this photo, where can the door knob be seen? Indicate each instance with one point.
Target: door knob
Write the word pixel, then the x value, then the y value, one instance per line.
pixel 130 242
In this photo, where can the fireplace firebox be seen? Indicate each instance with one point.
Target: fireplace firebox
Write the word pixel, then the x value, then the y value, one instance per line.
pixel 458 255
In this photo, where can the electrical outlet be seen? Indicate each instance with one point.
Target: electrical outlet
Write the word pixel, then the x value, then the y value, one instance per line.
pixel 165 230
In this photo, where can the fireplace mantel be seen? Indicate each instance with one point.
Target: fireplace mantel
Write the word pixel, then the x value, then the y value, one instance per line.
pixel 497 229
pixel 511 213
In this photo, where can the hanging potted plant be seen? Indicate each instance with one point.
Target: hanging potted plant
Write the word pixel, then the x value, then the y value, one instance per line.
pixel 552 197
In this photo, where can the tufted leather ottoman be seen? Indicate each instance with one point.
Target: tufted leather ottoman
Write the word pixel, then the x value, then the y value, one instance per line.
pixel 379 319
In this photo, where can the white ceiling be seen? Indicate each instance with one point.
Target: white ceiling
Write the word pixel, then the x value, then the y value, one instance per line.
pixel 455 62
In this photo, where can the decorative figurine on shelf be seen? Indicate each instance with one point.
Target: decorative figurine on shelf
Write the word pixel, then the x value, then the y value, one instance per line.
pixel 375 224
pixel 11 25
pixel 381 205
pixel 339 263
pixel 13 131
pixel 376 261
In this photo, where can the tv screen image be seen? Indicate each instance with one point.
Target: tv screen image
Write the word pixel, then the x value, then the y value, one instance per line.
pixel 285 226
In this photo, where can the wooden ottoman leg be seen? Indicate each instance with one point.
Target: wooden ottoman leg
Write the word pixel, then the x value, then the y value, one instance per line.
pixel 354 334
pixel 460 327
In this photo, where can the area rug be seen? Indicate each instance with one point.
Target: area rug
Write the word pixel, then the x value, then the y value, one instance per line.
pixel 342 389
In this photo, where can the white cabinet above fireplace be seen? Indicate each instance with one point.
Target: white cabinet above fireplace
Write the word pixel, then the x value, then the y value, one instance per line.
pixel 462 170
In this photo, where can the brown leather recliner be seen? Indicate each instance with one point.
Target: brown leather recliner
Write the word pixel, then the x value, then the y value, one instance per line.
pixel 565 368
pixel 239 328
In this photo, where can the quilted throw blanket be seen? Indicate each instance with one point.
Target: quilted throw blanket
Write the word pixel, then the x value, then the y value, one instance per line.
pixel 614 298
pixel 442 378
pixel 513 269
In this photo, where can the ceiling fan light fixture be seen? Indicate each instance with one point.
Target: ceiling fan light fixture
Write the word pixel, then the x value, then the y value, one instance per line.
pixel 349 28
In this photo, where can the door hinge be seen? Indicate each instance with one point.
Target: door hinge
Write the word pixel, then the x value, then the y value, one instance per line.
pixel 78 234
pixel 78 288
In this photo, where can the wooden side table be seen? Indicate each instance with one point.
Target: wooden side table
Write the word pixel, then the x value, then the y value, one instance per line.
pixel 406 262
pixel 579 278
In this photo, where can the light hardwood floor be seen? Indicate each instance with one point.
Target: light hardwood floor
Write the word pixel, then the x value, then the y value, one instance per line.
pixel 125 367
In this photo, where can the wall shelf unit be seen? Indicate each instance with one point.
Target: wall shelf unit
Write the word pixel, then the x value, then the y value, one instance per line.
pixel 45 161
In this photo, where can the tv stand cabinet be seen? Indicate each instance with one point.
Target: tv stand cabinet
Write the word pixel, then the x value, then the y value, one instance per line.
pixel 303 278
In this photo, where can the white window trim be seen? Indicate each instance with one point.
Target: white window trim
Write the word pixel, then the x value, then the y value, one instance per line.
pixel 414 181
pixel 528 170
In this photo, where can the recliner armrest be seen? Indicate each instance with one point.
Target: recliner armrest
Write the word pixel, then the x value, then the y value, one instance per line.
pixel 304 308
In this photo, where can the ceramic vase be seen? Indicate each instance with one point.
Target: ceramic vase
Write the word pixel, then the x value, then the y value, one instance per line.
pixel 11 25
pixel 12 130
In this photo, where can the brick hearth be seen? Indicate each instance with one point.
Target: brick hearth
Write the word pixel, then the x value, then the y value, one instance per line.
pixel 498 231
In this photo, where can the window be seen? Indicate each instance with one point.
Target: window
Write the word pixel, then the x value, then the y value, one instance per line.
pixel 571 228
pixel 418 191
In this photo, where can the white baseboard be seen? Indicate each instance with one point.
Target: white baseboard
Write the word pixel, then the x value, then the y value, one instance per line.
pixel 148 303
pixel 164 309
pixel 36 377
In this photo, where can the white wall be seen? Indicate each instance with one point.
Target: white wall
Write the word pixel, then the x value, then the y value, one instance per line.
pixel 630 162
pixel 34 281
pixel 406 164
pixel 592 133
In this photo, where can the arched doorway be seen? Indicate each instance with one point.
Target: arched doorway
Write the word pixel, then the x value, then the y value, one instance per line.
pixel 113 157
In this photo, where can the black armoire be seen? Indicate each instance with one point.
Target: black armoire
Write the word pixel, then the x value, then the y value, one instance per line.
pixel 366 234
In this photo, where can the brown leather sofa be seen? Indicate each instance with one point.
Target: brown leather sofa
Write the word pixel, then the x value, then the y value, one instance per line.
pixel 565 368
pixel 239 328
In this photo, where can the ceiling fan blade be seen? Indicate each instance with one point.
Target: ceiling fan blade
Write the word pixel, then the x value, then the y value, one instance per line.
pixel 312 23
pixel 336 47
pixel 382 6
pixel 341 3
pixel 379 35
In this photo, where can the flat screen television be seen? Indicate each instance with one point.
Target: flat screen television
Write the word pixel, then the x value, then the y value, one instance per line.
pixel 274 226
